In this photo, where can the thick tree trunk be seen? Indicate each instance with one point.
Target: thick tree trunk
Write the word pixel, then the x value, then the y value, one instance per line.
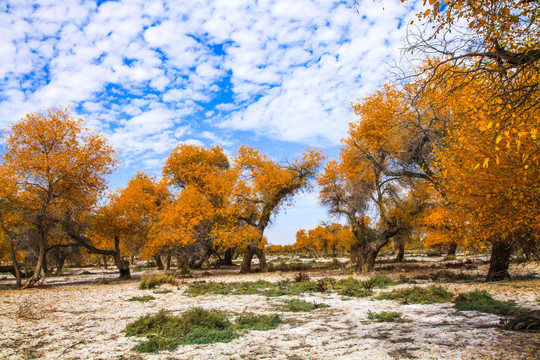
pixel 228 258
pixel 61 259
pixel 252 250
pixel 122 265
pixel 401 252
pixel 159 263
pixel 452 247
pixel 39 265
pixel 168 261
pixel 499 262
pixel 17 272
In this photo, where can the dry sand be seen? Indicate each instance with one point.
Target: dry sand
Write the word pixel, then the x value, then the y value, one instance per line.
pixel 86 322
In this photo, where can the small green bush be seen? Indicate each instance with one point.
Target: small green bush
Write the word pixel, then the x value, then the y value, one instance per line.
pixel 209 336
pixel 481 300
pixel 162 291
pixel 352 287
pixel 208 288
pixel 145 298
pixel 194 326
pixel 418 295
pixel 355 291
pixel 295 305
pixel 378 281
pixel 384 316
pixel 151 281
pixel 449 258
pixel 248 320
pixel 156 343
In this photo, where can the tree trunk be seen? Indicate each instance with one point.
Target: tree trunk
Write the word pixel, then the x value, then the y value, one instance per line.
pixel 159 263
pixel 122 265
pixel 15 263
pixel 39 265
pixel 251 250
pixel 105 262
pixel 61 259
pixel 228 258
pixel 169 261
pixel 452 247
pixel 500 261
pixel 401 252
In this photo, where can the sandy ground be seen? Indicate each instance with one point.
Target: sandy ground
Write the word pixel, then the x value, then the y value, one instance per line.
pixel 86 321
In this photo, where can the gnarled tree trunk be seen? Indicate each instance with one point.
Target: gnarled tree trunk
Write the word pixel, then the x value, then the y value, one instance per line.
pixel 251 250
pixel 500 261
pixel 159 263
pixel 452 248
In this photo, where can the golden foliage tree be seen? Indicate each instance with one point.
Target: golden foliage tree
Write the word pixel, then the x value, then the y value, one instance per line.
pixel 58 169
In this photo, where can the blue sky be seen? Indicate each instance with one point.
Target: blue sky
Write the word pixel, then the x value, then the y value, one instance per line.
pixel 274 75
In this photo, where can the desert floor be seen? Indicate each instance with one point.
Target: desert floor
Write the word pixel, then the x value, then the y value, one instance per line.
pixel 80 317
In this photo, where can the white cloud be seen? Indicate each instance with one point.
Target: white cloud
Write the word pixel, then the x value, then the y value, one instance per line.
pixel 149 73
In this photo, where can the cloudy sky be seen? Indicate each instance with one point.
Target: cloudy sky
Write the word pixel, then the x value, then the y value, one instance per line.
pixel 277 75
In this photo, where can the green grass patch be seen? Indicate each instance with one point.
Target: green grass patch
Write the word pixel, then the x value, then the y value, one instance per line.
pixel 145 298
pixel 352 288
pixel 418 295
pixel 162 291
pixel 194 326
pixel 151 281
pixel 295 305
pixel 211 287
pixel 378 281
pixel 384 316
pixel 481 300
pixel 250 321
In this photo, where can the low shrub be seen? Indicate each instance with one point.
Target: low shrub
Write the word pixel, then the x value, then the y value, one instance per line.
pixel 151 281
pixel 295 305
pixel 145 298
pixel 482 301
pixel 163 291
pixel 301 276
pixel 378 281
pixel 194 326
pixel 384 316
pixel 418 295
pixel 449 258
pixel 352 287
pixel 210 287
pixel 247 320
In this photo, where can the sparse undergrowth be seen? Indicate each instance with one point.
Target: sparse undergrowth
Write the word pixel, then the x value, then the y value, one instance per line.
pixel 151 281
pixel 144 298
pixel 384 316
pixel 295 305
pixel 482 301
pixel 195 326
pixel 418 295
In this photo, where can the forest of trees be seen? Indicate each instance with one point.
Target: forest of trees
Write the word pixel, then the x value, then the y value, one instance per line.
pixel 447 153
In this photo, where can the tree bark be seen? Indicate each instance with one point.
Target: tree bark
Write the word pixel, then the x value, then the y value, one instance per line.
pixel 228 258
pixel 168 261
pixel 500 261
pixel 452 247
pixel 401 252
pixel 159 263
pixel 61 259
pixel 252 250
pixel 105 262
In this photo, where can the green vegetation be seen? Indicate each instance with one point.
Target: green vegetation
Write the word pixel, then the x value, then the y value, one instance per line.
pixel 384 316
pixel 378 281
pixel 481 300
pixel 248 320
pixel 211 287
pixel 418 295
pixel 166 291
pixel 195 326
pixel 145 298
pixel 295 305
pixel 151 281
